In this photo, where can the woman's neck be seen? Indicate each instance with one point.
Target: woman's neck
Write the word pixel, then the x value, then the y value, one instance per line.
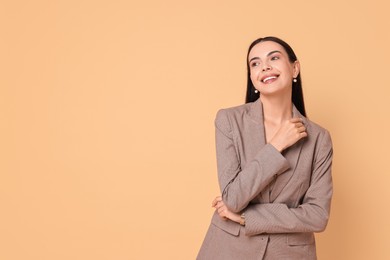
pixel 276 109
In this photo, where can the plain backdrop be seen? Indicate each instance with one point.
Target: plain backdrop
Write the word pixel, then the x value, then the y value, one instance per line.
pixel 107 120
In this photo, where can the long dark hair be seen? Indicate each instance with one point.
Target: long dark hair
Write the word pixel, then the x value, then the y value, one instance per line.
pixel 297 93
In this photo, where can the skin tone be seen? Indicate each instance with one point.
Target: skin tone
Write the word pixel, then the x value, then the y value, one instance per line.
pixel 272 75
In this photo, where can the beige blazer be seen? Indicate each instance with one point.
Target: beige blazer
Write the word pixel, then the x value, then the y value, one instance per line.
pixel 285 196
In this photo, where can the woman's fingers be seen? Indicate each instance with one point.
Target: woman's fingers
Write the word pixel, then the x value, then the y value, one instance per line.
pixel 296 120
pixel 220 207
pixel 219 204
pixel 216 200
pixel 298 123
pixel 222 211
pixel 301 129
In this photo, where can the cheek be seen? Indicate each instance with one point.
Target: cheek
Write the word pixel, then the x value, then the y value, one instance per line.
pixel 254 81
pixel 254 75
pixel 289 69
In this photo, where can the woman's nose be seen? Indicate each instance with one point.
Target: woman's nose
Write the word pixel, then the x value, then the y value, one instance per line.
pixel 266 67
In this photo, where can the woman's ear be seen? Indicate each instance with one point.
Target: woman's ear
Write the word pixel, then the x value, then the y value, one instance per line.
pixel 296 68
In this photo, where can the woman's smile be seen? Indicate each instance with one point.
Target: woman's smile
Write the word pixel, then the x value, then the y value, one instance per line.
pixel 268 79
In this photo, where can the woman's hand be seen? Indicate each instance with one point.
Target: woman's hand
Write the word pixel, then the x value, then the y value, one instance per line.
pixel 223 211
pixel 290 132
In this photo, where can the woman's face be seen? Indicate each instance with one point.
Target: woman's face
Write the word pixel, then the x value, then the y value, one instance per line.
pixel 271 71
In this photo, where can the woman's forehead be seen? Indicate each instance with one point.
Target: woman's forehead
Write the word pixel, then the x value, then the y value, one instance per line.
pixel 263 48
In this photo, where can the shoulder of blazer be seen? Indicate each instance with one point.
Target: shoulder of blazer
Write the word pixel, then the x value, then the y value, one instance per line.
pixel 320 139
pixel 315 129
pixel 253 110
pixel 234 111
pixel 225 116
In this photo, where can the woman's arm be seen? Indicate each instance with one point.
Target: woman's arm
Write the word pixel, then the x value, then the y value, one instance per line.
pixel 312 215
pixel 239 186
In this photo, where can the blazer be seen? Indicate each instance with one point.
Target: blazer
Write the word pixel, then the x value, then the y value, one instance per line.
pixel 285 196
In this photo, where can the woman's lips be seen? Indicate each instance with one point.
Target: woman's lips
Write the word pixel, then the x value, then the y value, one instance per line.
pixel 269 79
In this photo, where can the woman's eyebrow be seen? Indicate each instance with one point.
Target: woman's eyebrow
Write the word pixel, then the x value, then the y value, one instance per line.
pixel 269 54
pixel 272 52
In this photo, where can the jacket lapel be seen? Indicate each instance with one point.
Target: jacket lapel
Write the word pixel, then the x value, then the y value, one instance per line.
pixel 292 156
pixel 257 132
pixel 256 116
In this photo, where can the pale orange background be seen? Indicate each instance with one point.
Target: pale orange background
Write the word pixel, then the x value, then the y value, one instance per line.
pixel 107 109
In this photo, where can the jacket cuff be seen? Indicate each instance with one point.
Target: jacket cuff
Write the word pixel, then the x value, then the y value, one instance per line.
pixel 272 161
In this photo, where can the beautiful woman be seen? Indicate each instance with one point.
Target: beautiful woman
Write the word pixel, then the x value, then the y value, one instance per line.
pixel 274 166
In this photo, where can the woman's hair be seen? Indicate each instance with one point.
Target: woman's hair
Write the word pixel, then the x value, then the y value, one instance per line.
pixel 297 94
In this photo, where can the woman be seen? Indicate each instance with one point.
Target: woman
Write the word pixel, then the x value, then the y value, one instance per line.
pixel 274 166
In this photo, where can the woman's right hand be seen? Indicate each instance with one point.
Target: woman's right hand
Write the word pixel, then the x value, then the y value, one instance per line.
pixel 223 211
pixel 290 132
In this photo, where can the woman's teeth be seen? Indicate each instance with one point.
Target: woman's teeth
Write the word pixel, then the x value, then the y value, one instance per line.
pixel 269 78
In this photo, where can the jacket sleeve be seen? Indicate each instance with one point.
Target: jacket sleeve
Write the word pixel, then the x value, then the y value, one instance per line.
pixel 311 215
pixel 239 186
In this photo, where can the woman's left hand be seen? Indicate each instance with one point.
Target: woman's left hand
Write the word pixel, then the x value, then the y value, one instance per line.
pixel 223 211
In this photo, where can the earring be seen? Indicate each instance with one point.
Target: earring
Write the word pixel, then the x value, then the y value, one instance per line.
pixel 256 91
pixel 295 80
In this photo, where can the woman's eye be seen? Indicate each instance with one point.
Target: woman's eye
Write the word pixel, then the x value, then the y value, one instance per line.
pixel 275 58
pixel 255 64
